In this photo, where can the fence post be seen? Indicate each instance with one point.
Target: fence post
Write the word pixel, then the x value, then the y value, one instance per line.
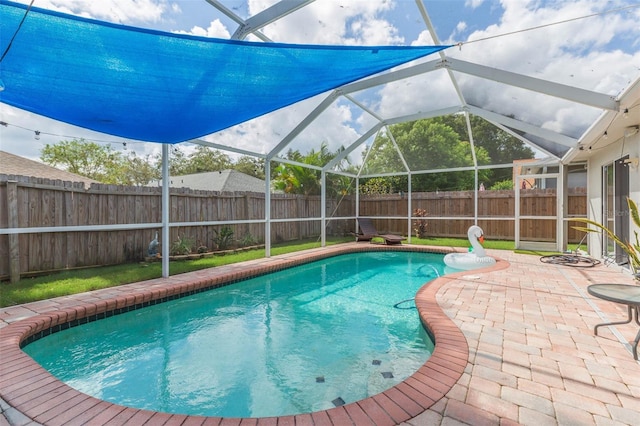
pixel 69 211
pixel 298 213
pixel 14 239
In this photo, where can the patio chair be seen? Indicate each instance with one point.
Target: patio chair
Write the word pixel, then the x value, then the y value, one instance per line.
pixel 368 231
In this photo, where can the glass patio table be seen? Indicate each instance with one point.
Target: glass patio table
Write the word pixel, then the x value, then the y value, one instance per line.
pixel 625 294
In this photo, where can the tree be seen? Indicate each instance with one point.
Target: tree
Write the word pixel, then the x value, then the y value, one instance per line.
pixel 443 142
pixel 205 159
pixel 341 184
pixel 99 162
pixel 251 166
pixel 376 186
pixel 297 179
pixel 138 171
pixel 501 147
pixel 177 162
pixel 291 179
pixel 503 184
pixel 426 145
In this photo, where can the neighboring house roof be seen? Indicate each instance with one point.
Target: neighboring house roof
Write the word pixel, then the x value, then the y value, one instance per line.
pixel 221 181
pixel 11 164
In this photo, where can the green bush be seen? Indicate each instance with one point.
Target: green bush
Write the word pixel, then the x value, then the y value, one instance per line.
pixel 503 184
pixel 183 245
pixel 224 237
pixel 247 240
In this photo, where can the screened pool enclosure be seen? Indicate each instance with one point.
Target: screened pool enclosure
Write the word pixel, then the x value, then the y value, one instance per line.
pixel 260 95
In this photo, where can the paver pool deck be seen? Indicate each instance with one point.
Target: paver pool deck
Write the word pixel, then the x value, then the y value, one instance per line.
pixel 514 345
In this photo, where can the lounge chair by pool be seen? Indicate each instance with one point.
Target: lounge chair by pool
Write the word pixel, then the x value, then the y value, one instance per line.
pixel 367 231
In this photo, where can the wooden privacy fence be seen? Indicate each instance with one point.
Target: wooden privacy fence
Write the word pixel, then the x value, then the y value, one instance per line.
pixel 496 213
pixel 32 203
pixel 39 203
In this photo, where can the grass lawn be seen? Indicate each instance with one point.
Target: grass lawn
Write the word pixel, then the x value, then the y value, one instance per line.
pixel 81 280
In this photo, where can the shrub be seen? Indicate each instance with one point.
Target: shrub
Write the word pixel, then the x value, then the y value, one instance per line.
pixel 247 240
pixel 181 246
pixel 503 184
pixel 223 238
pixel 420 225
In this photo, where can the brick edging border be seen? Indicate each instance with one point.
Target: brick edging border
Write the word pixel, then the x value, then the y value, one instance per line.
pixel 33 391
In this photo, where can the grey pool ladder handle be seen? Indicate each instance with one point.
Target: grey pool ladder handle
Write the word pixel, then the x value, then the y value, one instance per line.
pixel 630 310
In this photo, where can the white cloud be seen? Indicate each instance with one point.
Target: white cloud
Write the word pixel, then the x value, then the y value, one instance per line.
pixel 375 32
pixel 424 39
pixel 333 127
pixel 216 29
pixel 119 11
pixel 264 133
pixel 423 93
pixel 577 53
pixel 473 3
pixel 334 22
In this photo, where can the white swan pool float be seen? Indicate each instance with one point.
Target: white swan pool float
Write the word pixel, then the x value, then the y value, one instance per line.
pixel 474 260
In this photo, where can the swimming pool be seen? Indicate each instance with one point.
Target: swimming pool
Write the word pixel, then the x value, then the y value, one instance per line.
pixel 243 329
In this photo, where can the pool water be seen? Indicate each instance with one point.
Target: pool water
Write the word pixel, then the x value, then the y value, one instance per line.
pixel 300 340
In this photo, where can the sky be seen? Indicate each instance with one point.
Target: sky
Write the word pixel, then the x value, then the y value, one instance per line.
pixel 599 53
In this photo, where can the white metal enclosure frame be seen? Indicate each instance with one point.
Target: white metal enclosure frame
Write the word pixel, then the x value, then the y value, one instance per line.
pixel 560 147
pixel 530 134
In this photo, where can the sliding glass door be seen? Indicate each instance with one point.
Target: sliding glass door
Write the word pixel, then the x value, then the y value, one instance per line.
pixel 615 210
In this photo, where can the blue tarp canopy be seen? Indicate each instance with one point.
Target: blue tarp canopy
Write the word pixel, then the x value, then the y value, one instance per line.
pixel 162 87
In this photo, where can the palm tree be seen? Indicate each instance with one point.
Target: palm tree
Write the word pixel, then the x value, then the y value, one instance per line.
pixel 297 179
pixel 632 249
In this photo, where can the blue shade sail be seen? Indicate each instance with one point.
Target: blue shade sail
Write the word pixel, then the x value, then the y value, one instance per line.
pixel 161 87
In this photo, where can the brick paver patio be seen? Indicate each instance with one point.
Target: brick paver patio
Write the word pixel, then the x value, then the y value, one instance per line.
pixel 514 345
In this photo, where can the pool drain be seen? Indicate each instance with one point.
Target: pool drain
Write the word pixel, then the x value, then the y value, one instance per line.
pixel 376 362
pixel 338 402
pixel 320 379
pixel 387 375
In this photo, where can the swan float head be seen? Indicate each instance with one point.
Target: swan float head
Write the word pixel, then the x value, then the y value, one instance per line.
pixel 476 237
